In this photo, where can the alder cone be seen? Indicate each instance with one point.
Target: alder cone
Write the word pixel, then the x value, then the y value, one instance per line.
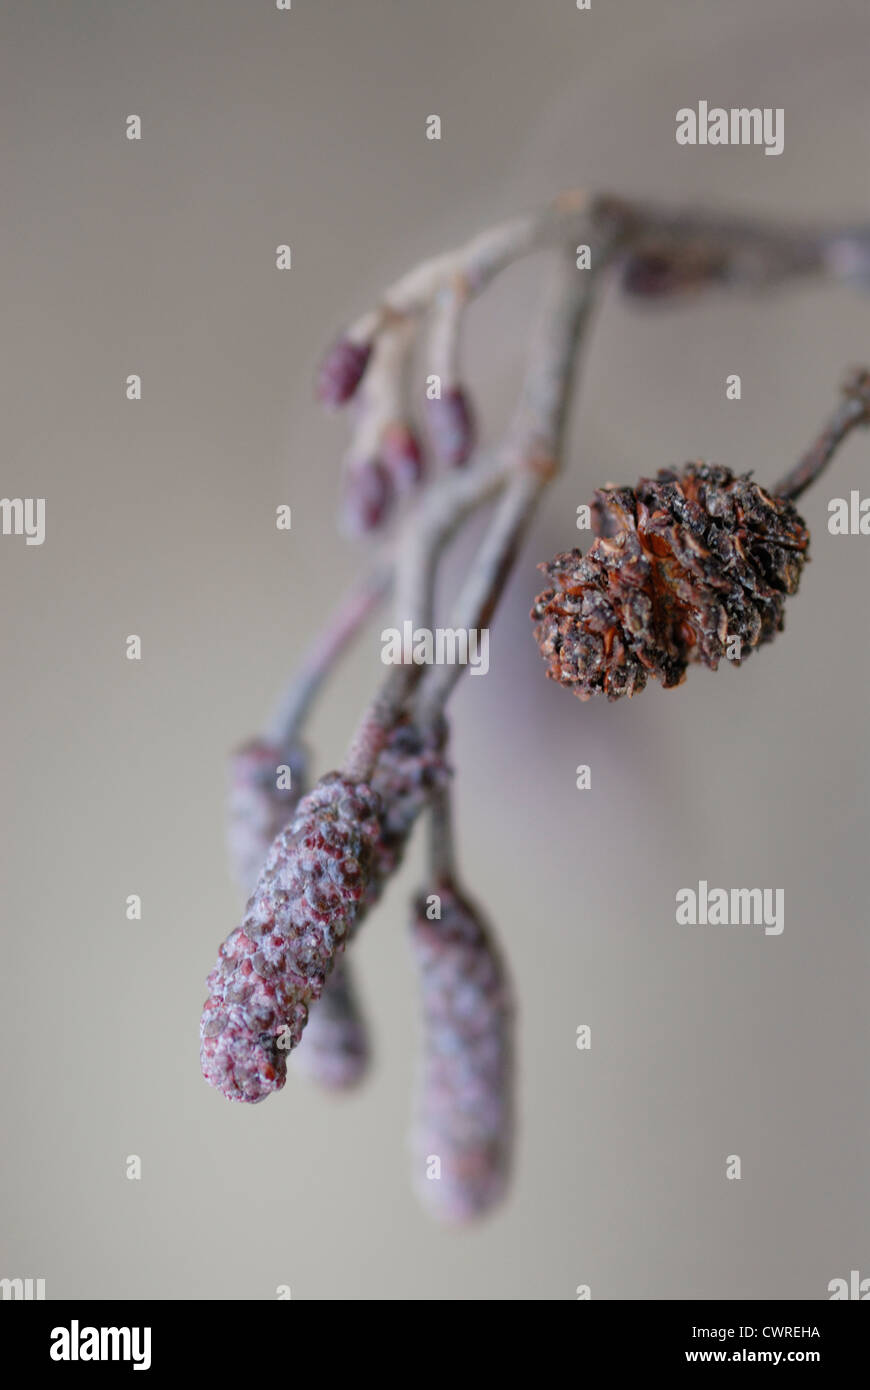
pixel 681 566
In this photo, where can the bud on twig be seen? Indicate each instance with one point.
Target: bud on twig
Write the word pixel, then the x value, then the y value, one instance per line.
pixel 368 496
pixel 451 426
pixel 662 272
pixel 342 370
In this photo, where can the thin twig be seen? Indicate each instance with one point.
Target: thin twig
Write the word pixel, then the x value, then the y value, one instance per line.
pixel 737 251
pixel 533 453
pixel 330 644
pixel 476 263
pixel 427 531
pixel 853 410
pixel 442 849
pixel 449 501
pixel 377 722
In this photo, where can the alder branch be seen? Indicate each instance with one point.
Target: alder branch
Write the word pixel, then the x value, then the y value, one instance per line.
pixel 328 867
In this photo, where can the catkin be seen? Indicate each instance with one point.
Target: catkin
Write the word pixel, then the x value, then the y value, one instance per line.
pixel 461 1139
pixel 335 1054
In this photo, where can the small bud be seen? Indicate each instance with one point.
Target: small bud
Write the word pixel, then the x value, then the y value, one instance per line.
pixel 660 273
pixel 402 456
pixel 342 370
pixel 451 427
pixel 368 496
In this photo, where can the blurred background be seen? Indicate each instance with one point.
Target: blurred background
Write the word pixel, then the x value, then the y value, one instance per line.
pixel 158 258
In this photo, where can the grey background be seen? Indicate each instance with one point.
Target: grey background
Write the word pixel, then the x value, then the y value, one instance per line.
pixel 158 258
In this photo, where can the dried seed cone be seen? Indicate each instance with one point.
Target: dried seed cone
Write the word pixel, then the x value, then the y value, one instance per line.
pixel 465 1103
pixel 682 565
pixel 274 966
pixel 336 1051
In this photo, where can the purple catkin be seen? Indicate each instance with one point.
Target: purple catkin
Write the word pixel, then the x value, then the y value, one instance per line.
pixel 465 1103
pixel 451 426
pixel 342 370
pixel 336 1050
pixel 297 921
pixel 411 766
pixel 323 872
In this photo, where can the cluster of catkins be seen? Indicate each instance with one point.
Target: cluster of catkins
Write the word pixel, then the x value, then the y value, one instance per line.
pixel 282 979
pixel 389 460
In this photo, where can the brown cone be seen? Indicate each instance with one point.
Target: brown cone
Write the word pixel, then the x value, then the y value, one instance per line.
pixel 682 565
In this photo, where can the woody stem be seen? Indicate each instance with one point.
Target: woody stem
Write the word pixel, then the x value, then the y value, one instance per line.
pixel 331 643
pixel 442 850
pixel 532 452
pixel 853 410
